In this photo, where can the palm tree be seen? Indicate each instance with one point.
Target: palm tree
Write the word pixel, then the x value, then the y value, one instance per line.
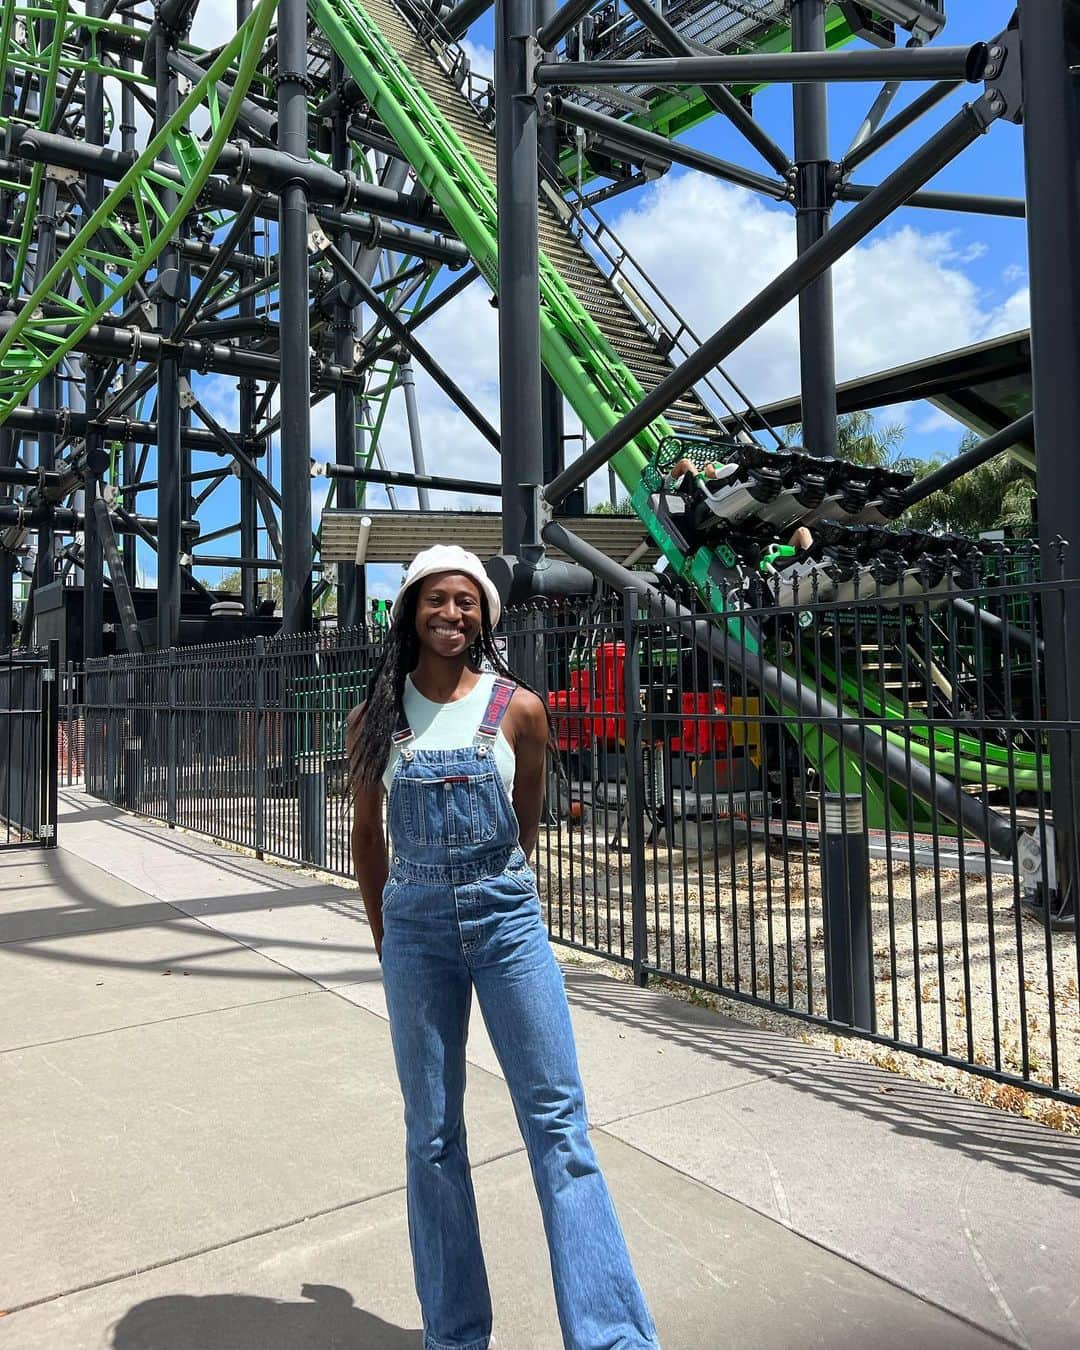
pixel 996 495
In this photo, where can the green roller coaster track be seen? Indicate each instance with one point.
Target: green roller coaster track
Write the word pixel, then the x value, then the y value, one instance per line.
pixel 121 240
pixel 600 388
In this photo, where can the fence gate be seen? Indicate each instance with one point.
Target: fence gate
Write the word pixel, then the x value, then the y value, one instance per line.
pixel 28 749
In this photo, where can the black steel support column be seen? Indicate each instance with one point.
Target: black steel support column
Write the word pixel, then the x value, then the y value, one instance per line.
pixel 295 323
pixel 552 417
pixel 1050 48
pixel 49 387
pixel 520 403
pixel 93 562
pixel 7 560
pixel 813 203
pixel 168 393
pixel 128 474
pixel 345 401
pixel 249 505
pixel 7 436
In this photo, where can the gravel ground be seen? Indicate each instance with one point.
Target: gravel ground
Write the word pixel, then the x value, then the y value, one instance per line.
pixel 752 922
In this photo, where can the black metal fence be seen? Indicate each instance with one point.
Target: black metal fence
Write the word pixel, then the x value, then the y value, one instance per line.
pixel 860 814
pixel 28 749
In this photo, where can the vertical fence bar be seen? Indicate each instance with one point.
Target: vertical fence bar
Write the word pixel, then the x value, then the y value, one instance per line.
pixel 260 746
pixel 635 787
pixel 172 714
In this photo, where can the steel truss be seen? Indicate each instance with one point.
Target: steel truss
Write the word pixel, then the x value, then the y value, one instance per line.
pixel 278 210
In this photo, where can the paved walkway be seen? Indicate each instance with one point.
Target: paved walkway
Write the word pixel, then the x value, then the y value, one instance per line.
pixel 203 1142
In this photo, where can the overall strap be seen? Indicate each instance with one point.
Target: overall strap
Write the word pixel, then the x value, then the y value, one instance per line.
pixel 403 734
pixel 502 691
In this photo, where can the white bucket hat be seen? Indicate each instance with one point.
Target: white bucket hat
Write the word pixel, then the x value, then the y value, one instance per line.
pixel 449 558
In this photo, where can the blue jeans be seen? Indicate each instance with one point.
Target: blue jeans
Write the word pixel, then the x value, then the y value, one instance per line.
pixel 441 941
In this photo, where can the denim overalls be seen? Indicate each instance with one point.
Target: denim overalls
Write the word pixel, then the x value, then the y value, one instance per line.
pixel 460 909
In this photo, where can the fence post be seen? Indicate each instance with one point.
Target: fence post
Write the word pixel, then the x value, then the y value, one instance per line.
pixel 311 778
pixel 845 869
pixel 635 784
pixel 50 745
pixel 69 722
pixel 260 746
pixel 172 713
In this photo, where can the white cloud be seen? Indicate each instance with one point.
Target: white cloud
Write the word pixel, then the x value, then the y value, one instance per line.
pixel 902 295
pixel 481 58
pixel 934 421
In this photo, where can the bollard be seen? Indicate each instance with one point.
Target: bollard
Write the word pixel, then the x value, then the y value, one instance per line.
pixel 312 810
pixel 845 885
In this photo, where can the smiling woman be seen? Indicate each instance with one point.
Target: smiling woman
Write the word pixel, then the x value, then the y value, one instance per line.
pixel 461 753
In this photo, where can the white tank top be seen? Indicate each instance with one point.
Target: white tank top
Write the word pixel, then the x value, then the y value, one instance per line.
pixel 451 726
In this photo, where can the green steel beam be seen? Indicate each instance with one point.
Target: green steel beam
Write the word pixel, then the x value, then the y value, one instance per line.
pixel 118 254
pixel 676 111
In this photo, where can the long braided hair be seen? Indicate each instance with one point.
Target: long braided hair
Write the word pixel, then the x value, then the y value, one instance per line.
pixel 386 688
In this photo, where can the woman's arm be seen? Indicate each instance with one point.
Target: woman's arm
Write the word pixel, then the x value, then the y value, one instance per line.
pixel 370 864
pixel 530 738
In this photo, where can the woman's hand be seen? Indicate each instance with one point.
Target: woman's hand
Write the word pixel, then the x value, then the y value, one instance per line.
pixel 529 738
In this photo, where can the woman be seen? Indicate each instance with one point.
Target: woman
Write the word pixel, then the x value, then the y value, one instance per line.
pixel 462 756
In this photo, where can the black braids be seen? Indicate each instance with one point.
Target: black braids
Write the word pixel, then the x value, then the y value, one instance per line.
pixel 386 689
pixel 383 702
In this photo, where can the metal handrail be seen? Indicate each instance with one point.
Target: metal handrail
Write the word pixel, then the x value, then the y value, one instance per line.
pixel 675 334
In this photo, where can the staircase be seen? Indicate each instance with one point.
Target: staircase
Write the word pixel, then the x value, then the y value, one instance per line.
pixel 613 349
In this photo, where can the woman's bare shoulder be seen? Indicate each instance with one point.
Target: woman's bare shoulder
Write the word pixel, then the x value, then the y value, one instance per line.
pixel 529 714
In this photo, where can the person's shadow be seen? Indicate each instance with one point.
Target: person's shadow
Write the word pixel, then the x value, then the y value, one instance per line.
pixel 327 1320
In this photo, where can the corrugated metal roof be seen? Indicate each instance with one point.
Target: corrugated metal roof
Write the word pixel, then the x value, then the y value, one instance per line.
pixel 397 535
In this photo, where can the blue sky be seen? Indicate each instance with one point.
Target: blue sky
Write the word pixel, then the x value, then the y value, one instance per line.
pixel 925 282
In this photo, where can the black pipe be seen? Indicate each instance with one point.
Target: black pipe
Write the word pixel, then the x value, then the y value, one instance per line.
pixel 403 334
pixel 520 401
pixel 813 210
pixel 259 120
pixel 93 558
pixel 71 424
pixel 1050 55
pixel 46 148
pixel 957 134
pixel 996 624
pixel 48 388
pixel 1023 429
pixel 649 143
pixel 721 98
pixel 237 232
pixel 458 21
pixel 169 452
pixel 794 696
pixel 295 375
pixel 911 63
pixel 344 328
pixel 125 606
pixel 888 131
pixel 204 356
pixel 433 482
pixel 69 518
pixel 461 282
pixel 1015 208
pixel 561 22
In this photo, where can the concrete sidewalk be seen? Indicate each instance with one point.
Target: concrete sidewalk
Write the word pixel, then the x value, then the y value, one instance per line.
pixel 203 1142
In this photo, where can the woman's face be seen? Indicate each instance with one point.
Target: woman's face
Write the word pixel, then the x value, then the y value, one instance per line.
pixel 448 613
